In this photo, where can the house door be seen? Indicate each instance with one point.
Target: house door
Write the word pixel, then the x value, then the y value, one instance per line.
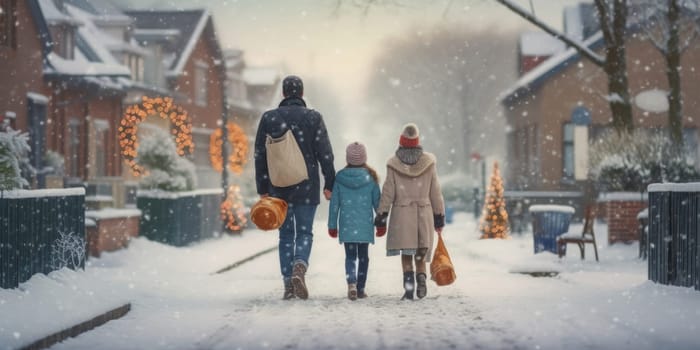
pixel 36 111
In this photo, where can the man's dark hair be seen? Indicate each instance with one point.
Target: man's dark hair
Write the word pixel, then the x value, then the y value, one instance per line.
pixel 292 86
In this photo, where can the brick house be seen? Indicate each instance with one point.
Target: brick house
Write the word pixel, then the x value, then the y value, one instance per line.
pixel 66 98
pixel 555 108
pixel 193 72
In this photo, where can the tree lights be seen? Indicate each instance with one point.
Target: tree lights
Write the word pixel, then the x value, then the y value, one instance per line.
pixel 232 210
pixel 239 144
pixel 494 220
pixel 163 107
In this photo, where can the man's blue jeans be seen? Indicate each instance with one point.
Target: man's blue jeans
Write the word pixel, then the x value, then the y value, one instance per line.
pixel 296 237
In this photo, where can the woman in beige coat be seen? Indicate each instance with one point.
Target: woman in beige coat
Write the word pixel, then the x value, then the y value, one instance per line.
pixel 412 201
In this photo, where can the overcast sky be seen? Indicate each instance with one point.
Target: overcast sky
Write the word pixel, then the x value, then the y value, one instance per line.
pixel 311 39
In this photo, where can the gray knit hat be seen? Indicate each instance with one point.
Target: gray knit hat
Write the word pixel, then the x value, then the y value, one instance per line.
pixel 356 154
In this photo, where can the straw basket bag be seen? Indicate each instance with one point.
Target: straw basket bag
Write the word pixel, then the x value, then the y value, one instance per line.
pixel 269 213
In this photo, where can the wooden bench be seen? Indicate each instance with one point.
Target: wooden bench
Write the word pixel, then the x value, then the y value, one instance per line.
pixel 587 235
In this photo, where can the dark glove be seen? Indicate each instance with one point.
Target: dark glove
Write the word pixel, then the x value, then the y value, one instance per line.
pixel 439 221
pixel 381 231
pixel 380 220
pixel 333 232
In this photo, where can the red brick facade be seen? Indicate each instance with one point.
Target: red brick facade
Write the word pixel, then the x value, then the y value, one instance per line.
pixel 621 217
pixel 111 234
pixel 22 68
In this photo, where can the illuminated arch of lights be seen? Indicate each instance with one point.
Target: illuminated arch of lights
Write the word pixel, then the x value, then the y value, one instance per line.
pixel 239 148
pixel 180 127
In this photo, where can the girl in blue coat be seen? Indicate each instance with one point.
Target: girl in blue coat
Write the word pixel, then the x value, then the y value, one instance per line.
pixel 354 201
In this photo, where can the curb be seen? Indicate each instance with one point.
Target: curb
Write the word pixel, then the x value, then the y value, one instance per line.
pixel 241 262
pixel 79 328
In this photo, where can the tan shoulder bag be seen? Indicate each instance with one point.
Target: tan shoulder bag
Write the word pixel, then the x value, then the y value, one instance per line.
pixel 285 162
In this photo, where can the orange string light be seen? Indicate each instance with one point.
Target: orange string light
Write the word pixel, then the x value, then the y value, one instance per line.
pixel 239 145
pixel 163 107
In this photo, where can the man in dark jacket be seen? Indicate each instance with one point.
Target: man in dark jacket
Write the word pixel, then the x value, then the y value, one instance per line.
pixel 310 133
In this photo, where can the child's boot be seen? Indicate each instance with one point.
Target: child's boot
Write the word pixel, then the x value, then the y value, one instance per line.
pixel 352 291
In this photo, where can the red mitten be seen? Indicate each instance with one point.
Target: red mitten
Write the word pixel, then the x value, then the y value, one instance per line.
pixel 333 232
pixel 381 231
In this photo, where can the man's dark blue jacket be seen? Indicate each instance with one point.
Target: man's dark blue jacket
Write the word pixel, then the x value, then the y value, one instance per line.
pixel 312 137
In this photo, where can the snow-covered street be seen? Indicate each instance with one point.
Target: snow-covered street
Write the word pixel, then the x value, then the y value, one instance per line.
pixel 178 303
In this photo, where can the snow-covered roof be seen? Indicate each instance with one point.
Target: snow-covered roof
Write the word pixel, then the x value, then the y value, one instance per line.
pixel 551 66
pixel 191 23
pixel 573 23
pixel 83 67
pixel 261 76
pixel 105 11
pixel 53 15
pixel 540 44
pixel 100 42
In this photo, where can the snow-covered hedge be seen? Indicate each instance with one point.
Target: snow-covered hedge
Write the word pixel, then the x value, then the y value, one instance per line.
pixel 14 156
pixel 631 162
pixel 166 169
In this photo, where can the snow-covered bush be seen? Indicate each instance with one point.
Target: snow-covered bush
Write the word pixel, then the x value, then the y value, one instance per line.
pixel 54 163
pixel 166 170
pixel 631 162
pixel 14 156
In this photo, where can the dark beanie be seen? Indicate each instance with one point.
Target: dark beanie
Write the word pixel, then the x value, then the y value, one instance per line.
pixel 292 86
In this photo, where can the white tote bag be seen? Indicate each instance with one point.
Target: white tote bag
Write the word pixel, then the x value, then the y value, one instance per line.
pixel 285 162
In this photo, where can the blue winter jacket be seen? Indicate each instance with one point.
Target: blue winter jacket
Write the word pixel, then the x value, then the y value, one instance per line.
pixel 354 200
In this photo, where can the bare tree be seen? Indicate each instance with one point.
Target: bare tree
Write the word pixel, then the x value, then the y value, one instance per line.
pixel 672 26
pixel 612 15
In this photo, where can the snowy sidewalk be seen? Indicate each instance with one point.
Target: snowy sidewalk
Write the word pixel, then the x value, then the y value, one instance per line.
pixel 177 303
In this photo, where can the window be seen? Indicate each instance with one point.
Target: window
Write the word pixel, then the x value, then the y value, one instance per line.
pixel 200 83
pixel 100 129
pixel 68 44
pixel 74 146
pixel 568 151
pixel 8 19
pixel 135 64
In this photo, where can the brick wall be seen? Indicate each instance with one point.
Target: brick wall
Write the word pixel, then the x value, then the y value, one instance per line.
pixel 621 217
pixel 111 234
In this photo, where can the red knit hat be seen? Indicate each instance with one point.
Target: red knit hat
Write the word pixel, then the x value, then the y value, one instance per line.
pixel 410 137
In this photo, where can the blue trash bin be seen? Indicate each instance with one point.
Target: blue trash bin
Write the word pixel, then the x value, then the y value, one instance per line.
pixel 449 214
pixel 548 223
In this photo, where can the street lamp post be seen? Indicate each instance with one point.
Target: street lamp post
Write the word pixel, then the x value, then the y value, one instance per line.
pixel 224 138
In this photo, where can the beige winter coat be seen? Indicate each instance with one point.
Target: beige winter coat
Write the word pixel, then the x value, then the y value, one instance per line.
pixel 412 193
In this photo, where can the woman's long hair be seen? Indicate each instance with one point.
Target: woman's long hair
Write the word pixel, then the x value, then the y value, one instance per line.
pixel 371 171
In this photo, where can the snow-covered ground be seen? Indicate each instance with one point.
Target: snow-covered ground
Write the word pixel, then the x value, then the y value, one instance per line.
pixel 177 303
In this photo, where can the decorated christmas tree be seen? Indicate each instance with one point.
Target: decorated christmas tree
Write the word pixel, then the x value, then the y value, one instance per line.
pixel 233 211
pixel 494 219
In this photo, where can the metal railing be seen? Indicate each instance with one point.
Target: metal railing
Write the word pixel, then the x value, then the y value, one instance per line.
pixel 179 218
pixel 40 231
pixel 674 223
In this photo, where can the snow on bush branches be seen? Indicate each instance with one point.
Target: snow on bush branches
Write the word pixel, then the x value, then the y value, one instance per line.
pixel 14 156
pixel 630 162
pixel 167 171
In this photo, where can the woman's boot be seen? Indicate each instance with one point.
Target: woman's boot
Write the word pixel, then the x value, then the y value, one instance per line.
pixel 408 285
pixel 422 288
